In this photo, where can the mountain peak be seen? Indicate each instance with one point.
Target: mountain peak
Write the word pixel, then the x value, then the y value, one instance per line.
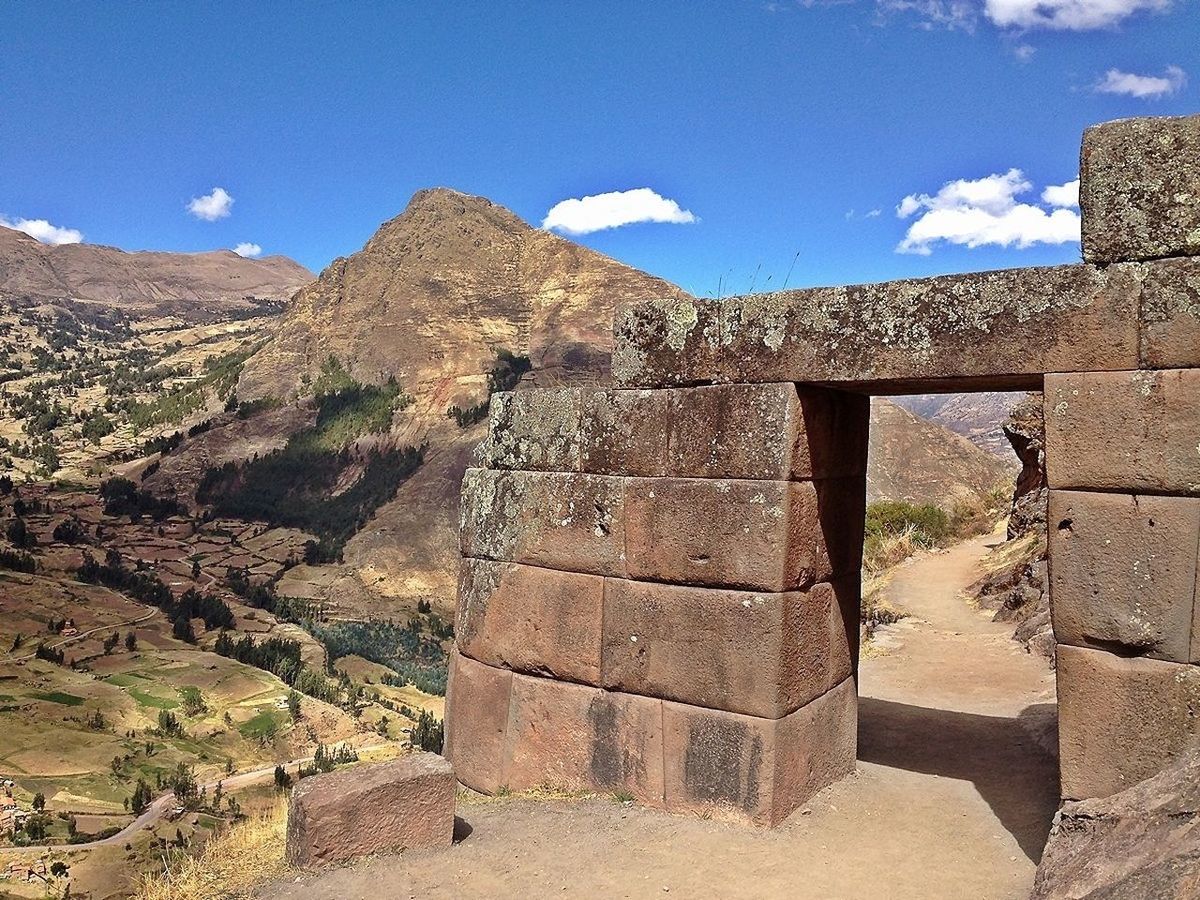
pixel 437 290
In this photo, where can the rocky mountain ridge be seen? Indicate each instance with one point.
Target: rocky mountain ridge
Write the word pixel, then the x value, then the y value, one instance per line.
pixel 144 284
pixel 432 297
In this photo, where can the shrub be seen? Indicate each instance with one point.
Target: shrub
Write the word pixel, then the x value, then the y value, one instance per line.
pixel 18 561
pixel 428 734
pixel 19 535
pixel 70 531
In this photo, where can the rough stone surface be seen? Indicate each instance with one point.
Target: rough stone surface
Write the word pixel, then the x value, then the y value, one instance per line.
pixel 1140 189
pixel 1170 314
pixel 753 653
pixel 535 430
pixel 1026 433
pixel 1120 719
pixel 530 619
pixel 757 770
pixel 477 702
pixel 999 330
pixel 1123 572
pixel 769 431
pixel 567 521
pixel 1125 431
pixel 572 737
pixel 666 343
pixel 1140 844
pixel 753 535
pixel 402 804
pixel 625 432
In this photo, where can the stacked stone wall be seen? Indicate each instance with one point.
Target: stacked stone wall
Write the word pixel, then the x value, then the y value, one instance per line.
pixel 660 582
pixel 656 607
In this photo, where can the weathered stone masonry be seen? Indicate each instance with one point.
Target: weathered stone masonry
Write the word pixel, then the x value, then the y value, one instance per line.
pixel 660 582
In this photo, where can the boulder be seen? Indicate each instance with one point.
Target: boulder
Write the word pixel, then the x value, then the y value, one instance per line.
pixel 402 804
pixel 1140 844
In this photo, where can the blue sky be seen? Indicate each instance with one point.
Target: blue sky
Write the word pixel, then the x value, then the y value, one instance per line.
pixel 779 126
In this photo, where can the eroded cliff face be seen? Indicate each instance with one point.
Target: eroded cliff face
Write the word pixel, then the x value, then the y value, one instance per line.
pixel 1026 432
pixel 1018 587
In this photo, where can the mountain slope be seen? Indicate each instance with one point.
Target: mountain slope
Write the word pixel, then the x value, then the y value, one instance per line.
pixel 914 459
pixel 435 293
pixel 144 284
pixel 978 417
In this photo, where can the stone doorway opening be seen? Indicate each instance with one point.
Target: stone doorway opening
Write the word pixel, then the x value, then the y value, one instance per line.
pixel 952 706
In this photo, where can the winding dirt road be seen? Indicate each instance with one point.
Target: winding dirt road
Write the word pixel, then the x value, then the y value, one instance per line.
pixel 954 794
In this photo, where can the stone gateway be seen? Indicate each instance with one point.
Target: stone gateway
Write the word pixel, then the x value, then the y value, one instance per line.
pixel 660 582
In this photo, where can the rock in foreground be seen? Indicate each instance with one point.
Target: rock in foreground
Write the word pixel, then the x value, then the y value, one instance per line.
pixel 1140 844
pixel 402 804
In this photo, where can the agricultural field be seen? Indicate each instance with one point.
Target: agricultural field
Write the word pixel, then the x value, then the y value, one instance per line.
pixel 106 685
pixel 82 389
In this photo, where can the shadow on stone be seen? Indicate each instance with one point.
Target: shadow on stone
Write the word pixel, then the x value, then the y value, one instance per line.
pixel 462 829
pixel 1010 761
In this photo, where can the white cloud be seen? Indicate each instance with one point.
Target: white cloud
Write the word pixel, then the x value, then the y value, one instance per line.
pixel 44 231
pixel 248 250
pixel 1024 52
pixel 1020 15
pixel 985 211
pixel 1142 86
pixel 1065 196
pixel 1066 15
pixel 612 210
pixel 875 214
pixel 214 205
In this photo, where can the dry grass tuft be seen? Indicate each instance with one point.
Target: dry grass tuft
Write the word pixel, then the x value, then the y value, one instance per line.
pixel 231 865
pixel 888 550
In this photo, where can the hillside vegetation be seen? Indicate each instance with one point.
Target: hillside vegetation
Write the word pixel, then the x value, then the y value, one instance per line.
pixel 303 484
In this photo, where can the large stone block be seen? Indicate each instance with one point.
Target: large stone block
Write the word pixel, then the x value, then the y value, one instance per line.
pixel 1123 572
pixel 814 747
pixel 477 703
pixel 571 737
pixel 665 343
pixel 1124 431
pixel 754 535
pixel 567 521
pixel 995 329
pixel 625 432
pixel 1170 313
pixel 767 431
pixel 754 653
pixel 745 768
pixel 1140 189
pixel 1121 720
pixel 402 804
pixel 537 430
pixel 530 619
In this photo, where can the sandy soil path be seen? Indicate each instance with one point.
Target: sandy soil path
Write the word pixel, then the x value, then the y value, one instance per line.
pixel 953 797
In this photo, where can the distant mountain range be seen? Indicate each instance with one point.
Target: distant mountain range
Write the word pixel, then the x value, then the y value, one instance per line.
pixel 144 284
pixel 978 417
pixel 431 300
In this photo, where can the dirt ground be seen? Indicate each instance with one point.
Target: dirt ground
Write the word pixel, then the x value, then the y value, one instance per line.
pixel 953 798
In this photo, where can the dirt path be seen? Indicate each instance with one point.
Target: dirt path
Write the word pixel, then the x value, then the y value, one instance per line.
pixel 953 796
